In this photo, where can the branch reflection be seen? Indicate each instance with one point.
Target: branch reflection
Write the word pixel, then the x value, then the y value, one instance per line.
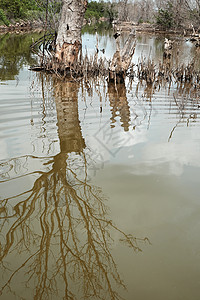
pixel 56 237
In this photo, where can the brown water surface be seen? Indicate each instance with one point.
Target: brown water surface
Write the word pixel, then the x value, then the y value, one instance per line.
pixel 99 185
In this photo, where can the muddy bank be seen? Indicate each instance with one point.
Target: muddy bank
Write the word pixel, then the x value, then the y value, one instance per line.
pixel 25 25
pixel 148 28
pixel 22 26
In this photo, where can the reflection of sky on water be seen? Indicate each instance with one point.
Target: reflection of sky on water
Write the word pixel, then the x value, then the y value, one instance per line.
pixel 89 42
pixel 148 46
pixel 28 122
pixel 150 129
pixel 148 151
pixel 151 179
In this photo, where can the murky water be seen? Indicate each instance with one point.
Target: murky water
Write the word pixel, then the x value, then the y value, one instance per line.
pixel 99 191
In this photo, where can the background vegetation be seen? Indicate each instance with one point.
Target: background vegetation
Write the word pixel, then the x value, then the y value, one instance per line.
pixel 97 10
pixel 167 14
pixel 17 8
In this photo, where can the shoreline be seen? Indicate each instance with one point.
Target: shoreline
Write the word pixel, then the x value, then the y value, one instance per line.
pixel 22 26
pixel 150 28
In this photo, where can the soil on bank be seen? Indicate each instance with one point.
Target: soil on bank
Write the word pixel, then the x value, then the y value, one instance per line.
pixel 22 25
pixel 117 26
pixel 148 28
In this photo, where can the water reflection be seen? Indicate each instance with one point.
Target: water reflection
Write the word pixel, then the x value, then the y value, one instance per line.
pixel 102 28
pixel 56 233
pixel 69 130
pixel 119 105
pixel 59 229
pixel 15 53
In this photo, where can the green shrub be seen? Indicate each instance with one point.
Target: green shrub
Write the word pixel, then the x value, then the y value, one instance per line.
pixel 100 9
pixel 32 15
pixel 94 10
pixel 17 8
pixel 165 17
pixel 3 17
pixel 90 14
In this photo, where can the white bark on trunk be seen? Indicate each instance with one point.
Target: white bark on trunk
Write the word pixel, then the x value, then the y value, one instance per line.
pixel 68 42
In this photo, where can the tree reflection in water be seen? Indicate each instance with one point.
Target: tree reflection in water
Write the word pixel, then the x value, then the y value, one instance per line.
pixel 56 238
pixel 119 104
pixel 15 53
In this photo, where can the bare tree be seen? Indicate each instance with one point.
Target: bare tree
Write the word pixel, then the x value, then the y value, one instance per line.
pixel 183 12
pixel 68 41
pixel 124 10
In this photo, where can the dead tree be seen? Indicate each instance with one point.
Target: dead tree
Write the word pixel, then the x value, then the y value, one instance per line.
pixel 65 58
pixel 121 59
pixel 68 42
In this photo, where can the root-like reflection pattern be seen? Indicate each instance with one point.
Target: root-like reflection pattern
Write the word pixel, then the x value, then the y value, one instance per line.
pixel 56 236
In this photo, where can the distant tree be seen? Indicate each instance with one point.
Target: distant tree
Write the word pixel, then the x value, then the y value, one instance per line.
pixel 193 8
pixel 101 9
pixel 123 10
pixel 178 13
pixel 164 16
pixel 3 17
pixel 111 11
pixel 16 8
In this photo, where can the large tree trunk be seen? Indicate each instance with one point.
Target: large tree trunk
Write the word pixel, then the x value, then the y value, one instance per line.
pixel 68 42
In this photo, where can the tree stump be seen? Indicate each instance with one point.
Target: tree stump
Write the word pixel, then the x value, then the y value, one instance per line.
pixel 121 59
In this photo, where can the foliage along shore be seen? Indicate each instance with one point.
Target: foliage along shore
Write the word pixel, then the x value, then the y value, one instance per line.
pixel 26 25
pixel 22 25
pixel 143 15
pixel 150 28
